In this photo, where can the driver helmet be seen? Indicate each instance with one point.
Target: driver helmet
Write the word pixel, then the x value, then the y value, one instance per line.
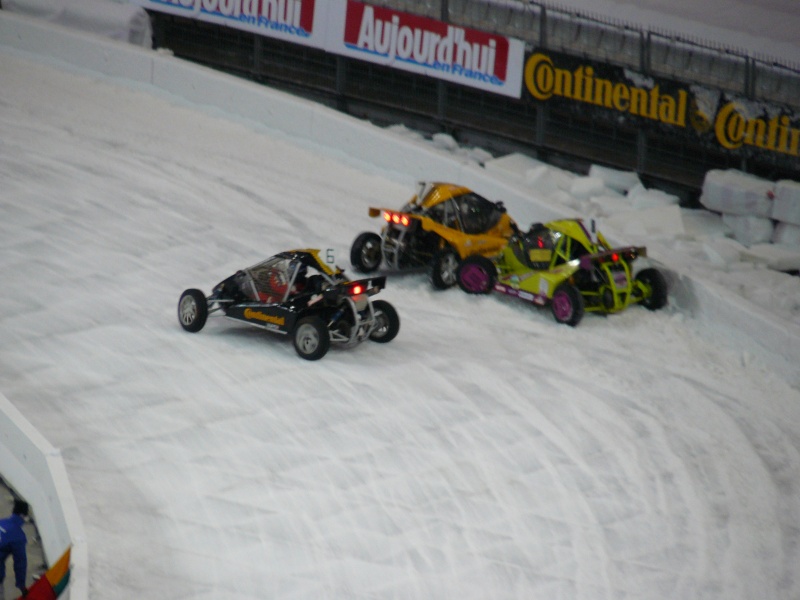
pixel 540 236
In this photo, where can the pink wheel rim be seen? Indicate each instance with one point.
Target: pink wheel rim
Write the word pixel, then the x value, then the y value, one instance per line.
pixel 562 306
pixel 474 278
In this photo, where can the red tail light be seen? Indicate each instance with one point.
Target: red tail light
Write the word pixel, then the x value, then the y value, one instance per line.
pixel 356 289
pixel 624 254
pixel 396 218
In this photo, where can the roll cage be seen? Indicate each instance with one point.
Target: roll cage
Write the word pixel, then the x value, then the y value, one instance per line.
pixel 279 278
pixel 469 213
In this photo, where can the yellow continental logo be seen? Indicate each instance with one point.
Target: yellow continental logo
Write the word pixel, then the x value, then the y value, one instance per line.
pixel 734 129
pixel 544 81
pixel 257 315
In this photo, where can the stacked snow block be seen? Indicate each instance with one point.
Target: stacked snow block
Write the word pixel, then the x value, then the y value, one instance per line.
pixel 786 212
pixel 745 202
pixel 762 215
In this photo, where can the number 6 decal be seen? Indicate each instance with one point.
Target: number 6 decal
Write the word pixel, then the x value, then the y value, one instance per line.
pixel 329 256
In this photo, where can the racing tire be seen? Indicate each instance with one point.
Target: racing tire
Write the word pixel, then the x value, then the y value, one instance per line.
pixel 365 253
pixel 567 305
pixel 311 338
pixel 444 269
pixel 388 322
pixel 192 310
pixel 476 275
pixel 653 281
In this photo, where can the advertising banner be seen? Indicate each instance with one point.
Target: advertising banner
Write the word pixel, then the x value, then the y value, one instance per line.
pixel 426 46
pixel 723 120
pixel 299 21
pixel 739 123
pixel 374 34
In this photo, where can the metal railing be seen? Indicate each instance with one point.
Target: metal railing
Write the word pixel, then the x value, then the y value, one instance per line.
pixel 548 26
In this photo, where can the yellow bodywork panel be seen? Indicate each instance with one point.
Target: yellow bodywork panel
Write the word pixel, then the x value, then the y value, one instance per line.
pixel 540 255
pixel 441 192
pixel 537 282
pixel 487 244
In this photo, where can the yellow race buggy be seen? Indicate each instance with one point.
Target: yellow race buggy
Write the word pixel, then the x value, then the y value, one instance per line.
pixel 440 226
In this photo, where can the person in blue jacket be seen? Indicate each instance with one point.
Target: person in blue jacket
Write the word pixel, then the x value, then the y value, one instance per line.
pixel 13 542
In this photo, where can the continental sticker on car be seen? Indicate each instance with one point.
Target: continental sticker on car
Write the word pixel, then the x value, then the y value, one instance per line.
pixel 298 21
pixel 258 315
pixel 274 318
pixel 412 43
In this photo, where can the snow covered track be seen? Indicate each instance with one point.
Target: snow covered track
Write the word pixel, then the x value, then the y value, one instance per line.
pixel 485 453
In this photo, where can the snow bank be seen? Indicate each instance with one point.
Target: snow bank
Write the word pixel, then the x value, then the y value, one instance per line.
pixel 786 234
pixel 775 256
pixel 619 181
pixel 759 213
pixel 654 222
pixel 786 207
pixel 723 252
pixel 116 20
pixel 736 193
pixel 749 229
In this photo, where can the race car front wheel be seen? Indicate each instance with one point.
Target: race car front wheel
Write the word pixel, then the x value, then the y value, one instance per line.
pixel 192 310
pixel 567 305
pixel 365 254
pixel 388 323
pixel 311 338
pixel 476 275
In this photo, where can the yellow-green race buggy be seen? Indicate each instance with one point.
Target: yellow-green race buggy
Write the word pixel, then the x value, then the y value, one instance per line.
pixel 564 265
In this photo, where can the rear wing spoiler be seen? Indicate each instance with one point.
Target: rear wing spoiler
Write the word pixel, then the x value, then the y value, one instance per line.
pixel 628 253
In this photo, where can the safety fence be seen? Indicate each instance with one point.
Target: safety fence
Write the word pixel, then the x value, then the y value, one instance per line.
pixel 660 53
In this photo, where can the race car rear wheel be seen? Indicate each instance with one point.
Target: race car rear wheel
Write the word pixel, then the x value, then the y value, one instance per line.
pixel 476 275
pixel 444 269
pixel 388 322
pixel 311 338
pixel 653 282
pixel 567 305
pixel 365 253
pixel 192 310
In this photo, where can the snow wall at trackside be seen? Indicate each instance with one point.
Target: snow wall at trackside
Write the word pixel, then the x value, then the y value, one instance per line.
pixel 34 469
pixel 709 306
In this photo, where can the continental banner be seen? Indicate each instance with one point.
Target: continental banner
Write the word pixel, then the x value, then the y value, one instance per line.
pixel 723 120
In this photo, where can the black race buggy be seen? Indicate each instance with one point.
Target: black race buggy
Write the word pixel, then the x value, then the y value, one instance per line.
pixel 296 293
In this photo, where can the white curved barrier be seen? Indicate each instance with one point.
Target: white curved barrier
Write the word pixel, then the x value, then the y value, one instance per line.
pixel 35 470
